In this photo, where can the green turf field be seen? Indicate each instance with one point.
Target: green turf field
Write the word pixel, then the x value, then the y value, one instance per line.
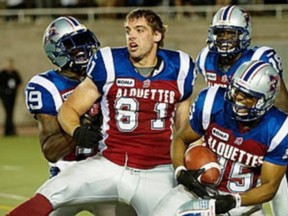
pixel 22 170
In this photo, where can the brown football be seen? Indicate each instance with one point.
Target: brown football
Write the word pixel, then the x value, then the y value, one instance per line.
pixel 200 156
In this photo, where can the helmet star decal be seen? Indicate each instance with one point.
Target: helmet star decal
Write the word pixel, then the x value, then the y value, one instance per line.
pixel 247 17
pixel 51 33
pixel 273 82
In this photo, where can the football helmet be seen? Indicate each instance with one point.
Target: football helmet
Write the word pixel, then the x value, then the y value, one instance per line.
pixel 230 31
pixel 257 81
pixel 69 44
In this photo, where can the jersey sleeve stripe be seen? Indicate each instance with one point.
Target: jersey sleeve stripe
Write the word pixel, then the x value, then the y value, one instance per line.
pixel 259 52
pixel 47 84
pixel 183 71
pixel 202 58
pixel 270 56
pixel 109 66
pixel 280 135
pixel 208 104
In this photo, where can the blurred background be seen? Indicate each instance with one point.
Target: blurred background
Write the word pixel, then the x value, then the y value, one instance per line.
pixel 22 24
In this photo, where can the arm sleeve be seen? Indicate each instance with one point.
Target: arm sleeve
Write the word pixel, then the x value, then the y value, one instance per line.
pixel 96 71
pixel 196 113
pixel 39 100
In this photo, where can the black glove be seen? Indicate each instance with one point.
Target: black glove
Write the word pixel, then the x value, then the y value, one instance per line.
pixel 224 203
pixel 188 178
pixel 87 136
pixel 95 121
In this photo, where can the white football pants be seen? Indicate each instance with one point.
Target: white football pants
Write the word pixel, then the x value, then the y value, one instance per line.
pixel 96 179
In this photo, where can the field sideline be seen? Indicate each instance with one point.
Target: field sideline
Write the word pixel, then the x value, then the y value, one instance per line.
pixel 22 170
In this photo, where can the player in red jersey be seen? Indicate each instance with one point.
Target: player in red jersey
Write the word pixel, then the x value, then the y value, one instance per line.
pixel 249 135
pixel 145 94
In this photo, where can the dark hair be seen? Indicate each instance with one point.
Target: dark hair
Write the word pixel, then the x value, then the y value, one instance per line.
pixel 152 19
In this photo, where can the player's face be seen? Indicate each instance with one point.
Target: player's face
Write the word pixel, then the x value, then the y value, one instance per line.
pixel 243 103
pixel 141 40
pixel 226 39
pixel 75 48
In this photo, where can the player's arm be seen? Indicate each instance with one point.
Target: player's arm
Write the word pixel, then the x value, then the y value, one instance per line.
pixel 55 143
pixel 183 138
pixel 271 176
pixel 188 178
pixel 183 108
pixel 190 131
pixel 77 104
pixel 182 113
pixel 281 100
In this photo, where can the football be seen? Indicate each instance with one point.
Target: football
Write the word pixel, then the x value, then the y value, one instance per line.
pixel 198 157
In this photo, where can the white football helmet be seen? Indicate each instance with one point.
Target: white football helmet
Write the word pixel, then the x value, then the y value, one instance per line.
pixel 234 20
pixel 69 44
pixel 254 79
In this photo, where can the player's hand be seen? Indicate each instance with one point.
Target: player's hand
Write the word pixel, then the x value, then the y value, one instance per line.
pixel 93 116
pixel 225 203
pixel 188 178
pixel 87 136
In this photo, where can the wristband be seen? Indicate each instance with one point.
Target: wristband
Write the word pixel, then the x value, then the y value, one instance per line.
pixel 177 170
pixel 237 198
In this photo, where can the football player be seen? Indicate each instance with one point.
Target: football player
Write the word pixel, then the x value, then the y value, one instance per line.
pixel 145 92
pixel 69 45
pixel 247 132
pixel 228 46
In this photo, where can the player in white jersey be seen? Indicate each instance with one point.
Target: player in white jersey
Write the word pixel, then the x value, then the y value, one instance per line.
pixel 228 47
pixel 249 136
pixel 69 45
pixel 145 94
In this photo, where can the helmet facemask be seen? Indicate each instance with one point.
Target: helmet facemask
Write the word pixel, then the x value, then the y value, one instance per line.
pixel 251 110
pixel 227 40
pixel 78 47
